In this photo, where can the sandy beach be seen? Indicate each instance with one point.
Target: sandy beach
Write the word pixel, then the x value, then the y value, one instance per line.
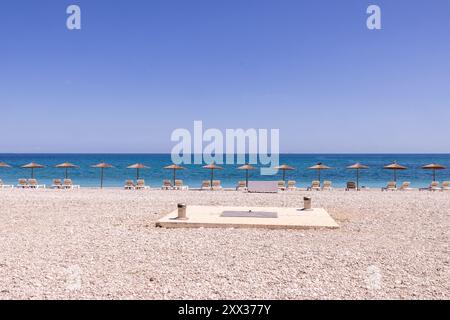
pixel 103 244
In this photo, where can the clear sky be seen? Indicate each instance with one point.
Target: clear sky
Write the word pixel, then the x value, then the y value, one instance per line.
pixel 138 69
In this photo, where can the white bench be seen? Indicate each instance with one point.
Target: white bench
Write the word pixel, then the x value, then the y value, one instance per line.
pixel 263 186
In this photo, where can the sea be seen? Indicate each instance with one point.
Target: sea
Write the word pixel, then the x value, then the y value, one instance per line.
pixel 193 175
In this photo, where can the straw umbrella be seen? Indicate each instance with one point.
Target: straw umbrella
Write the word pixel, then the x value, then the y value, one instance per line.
pixel 66 166
pixel 357 166
pixel 174 168
pixel 319 167
pixel 102 166
pixel 394 167
pixel 33 166
pixel 4 165
pixel 137 166
pixel 284 168
pixel 434 167
pixel 246 167
pixel 212 167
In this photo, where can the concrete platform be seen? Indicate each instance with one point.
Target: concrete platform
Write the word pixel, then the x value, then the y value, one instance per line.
pixel 288 218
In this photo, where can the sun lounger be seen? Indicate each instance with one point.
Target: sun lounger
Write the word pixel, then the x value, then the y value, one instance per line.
pixel 327 185
pixel 315 185
pixel 5 186
pixel 445 186
pixel 216 185
pixel 391 186
pixel 206 185
pixel 140 185
pixel 291 185
pixel 179 185
pixel 57 184
pixel 241 186
pixel 351 185
pixel 405 186
pixel 167 185
pixel 129 185
pixel 434 186
pixel 281 185
pixel 33 184
pixel 68 184
pixel 22 184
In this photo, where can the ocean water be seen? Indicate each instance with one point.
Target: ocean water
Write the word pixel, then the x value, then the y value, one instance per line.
pixel 86 176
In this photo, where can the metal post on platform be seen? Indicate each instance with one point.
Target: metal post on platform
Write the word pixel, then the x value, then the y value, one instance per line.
pixel 307 203
pixel 182 212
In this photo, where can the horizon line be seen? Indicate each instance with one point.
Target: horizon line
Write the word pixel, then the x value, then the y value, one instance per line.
pixel 281 153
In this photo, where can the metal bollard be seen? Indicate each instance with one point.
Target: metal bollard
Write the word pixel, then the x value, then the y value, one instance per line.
pixel 307 203
pixel 182 211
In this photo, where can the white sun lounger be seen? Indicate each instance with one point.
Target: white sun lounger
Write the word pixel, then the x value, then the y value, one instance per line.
pixel 129 185
pixel 391 186
pixel 434 186
pixel 241 186
pixel 206 185
pixel 67 184
pixel 5 186
pixel 292 185
pixel 327 186
pixel 140 185
pixel 445 186
pixel 57 184
pixel 167 185
pixel 22 184
pixel 405 186
pixel 33 184
pixel 315 185
pixel 179 185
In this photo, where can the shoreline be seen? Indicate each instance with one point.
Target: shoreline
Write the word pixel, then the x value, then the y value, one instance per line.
pixel 226 189
pixel 339 174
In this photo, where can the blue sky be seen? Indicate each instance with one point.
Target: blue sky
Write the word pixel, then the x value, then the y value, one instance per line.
pixel 139 69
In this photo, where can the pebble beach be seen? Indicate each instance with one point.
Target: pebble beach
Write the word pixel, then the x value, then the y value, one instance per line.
pixel 103 244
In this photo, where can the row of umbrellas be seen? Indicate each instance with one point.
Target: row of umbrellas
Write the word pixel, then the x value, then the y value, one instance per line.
pixel 68 165
pixel 358 166
pixel 174 167
pixel 102 166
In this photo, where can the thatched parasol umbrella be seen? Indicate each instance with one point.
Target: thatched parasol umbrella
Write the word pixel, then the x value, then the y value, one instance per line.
pixel 284 168
pixel 246 167
pixel 137 166
pixel 319 167
pixel 102 166
pixel 434 167
pixel 357 166
pixel 395 166
pixel 33 166
pixel 174 167
pixel 4 165
pixel 66 166
pixel 212 167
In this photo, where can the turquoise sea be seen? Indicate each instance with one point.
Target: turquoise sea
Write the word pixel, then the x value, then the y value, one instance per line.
pixel 86 176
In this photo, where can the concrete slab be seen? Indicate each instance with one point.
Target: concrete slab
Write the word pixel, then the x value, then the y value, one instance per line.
pixel 288 218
